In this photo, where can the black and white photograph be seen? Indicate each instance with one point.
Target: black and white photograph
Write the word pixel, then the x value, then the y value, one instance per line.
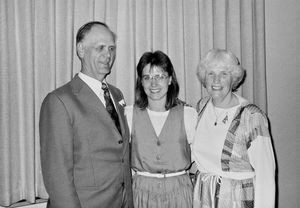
pixel 149 103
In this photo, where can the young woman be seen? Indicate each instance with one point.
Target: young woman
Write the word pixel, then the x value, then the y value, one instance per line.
pixel 162 129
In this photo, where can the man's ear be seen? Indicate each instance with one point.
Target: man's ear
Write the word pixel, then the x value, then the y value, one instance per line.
pixel 80 49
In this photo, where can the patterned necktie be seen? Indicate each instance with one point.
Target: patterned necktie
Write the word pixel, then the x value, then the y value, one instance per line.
pixel 110 106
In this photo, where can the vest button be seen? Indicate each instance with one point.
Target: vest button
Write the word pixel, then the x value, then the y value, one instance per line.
pixel 158 143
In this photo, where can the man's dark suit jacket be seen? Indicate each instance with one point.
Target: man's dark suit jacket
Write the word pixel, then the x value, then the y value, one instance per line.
pixel 84 159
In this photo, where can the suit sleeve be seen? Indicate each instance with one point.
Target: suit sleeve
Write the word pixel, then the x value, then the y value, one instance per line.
pixel 56 138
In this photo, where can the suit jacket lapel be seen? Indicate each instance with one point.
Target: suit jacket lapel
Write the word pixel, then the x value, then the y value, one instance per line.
pixel 123 123
pixel 88 97
pixel 119 109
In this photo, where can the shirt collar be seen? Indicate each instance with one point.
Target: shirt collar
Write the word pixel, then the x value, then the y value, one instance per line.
pixel 93 83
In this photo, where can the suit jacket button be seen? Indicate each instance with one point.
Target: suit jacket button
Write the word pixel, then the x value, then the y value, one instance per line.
pixel 120 141
pixel 122 184
pixel 122 160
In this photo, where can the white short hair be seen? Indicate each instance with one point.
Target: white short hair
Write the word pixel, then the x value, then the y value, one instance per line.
pixel 224 59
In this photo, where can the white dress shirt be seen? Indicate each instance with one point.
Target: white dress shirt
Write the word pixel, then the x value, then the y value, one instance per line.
pixel 95 85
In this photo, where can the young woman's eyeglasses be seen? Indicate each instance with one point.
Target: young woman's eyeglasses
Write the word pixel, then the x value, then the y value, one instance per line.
pixel 156 77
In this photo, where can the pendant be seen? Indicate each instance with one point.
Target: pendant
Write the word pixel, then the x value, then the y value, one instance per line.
pixel 225 119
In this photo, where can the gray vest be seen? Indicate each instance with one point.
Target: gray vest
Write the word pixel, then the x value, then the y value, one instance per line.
pixel 169 152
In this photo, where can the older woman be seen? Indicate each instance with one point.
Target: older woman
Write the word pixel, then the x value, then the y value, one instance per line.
pixel 232 147
pixel 161 132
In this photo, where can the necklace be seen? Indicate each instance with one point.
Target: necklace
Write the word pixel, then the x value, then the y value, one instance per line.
pixel 219 115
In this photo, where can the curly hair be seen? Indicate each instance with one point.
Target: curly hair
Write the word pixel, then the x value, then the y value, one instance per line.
pixel 224 59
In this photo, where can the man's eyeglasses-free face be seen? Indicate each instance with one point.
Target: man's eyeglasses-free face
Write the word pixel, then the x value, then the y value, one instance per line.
pixel 156 77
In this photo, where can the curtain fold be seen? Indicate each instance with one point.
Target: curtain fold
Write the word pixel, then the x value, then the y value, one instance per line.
pixel 38 54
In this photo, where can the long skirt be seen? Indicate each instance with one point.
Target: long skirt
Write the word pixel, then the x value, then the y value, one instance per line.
pixel 169 192
pixel 213 191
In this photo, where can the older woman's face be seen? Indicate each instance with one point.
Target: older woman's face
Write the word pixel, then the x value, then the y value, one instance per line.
pixel 218 82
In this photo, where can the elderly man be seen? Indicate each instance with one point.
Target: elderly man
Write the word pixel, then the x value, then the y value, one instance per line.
pixel 83 132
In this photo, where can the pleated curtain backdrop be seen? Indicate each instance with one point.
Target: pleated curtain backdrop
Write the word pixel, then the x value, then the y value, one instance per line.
pixel 37 41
